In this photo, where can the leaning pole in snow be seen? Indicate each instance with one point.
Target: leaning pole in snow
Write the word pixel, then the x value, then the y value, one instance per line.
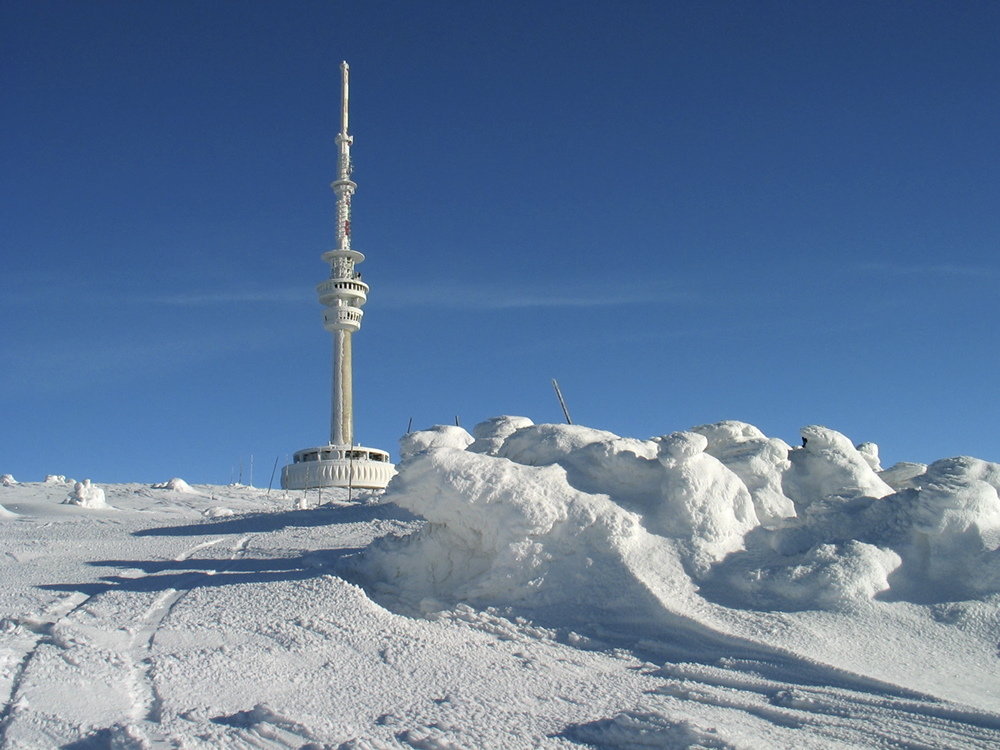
pixel 341 463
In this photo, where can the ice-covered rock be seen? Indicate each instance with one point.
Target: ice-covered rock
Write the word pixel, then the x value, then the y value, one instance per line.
pixel 953 545
pixel 7 480
pixel 825 576
pixel 87 495
pixel 596 461
pixel 625 469
pixel 55 479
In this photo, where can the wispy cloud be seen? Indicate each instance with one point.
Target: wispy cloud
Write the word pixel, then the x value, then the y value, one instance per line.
pixel 499 296
pixel 944 269
pixel 417 293
pixel 194 298
pixel 226 297
pixel 46 367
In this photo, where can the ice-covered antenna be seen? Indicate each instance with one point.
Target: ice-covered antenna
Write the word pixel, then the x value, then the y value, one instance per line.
pixel 343 186
pixel 344 70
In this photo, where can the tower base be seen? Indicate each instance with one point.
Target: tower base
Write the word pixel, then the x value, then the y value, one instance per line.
pixel 338 466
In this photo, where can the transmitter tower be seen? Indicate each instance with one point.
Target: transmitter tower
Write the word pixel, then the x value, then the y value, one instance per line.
pixel 341 463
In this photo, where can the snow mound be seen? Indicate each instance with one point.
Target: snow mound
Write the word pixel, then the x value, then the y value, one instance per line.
pixel 562 516
pixel 55 479
pixel 7 480
pixel 439 436
pixel 87 495
pixel 217 512
pixel 177 485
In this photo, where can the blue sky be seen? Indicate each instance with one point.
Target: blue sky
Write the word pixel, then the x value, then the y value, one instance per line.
pixel 779 212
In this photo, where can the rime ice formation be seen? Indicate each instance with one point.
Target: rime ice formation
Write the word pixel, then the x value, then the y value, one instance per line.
pixel 341 463
pixel 526 513
pixel 757 460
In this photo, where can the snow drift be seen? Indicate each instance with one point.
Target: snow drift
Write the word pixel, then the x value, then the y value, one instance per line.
pixel 548 516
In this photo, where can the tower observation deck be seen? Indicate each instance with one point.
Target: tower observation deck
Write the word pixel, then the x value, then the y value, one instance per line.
pixel 341 463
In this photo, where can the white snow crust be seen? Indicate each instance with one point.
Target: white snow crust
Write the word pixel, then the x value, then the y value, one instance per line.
pixel 523 586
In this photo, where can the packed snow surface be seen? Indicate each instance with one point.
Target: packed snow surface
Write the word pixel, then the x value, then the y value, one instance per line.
pixel 523 586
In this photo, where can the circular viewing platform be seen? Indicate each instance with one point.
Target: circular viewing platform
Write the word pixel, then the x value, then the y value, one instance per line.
pixel 338 466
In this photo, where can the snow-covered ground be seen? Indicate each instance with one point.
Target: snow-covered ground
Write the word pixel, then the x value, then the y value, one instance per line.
pixel 524 586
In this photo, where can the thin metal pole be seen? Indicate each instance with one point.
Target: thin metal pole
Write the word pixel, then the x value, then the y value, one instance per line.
pixel 272 475
pixel 350 479
pixel 562 403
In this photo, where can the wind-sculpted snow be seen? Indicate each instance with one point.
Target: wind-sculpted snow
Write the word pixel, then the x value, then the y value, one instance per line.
pixel 542 515
pixel 502 532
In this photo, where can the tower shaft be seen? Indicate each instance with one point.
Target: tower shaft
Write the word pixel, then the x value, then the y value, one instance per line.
pixel 342 412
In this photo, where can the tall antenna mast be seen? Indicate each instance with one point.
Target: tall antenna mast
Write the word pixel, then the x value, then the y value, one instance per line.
pixel 343 185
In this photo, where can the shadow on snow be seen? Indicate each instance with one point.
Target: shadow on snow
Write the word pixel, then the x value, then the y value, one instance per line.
pixel 189 574
pixel 263 522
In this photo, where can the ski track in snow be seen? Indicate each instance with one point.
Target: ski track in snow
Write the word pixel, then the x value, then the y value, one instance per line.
pixel 41 627
pixel 148 702
pixel 145 712
pixel 837 713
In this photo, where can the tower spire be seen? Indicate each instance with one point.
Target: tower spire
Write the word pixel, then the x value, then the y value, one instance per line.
pixel 343 185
